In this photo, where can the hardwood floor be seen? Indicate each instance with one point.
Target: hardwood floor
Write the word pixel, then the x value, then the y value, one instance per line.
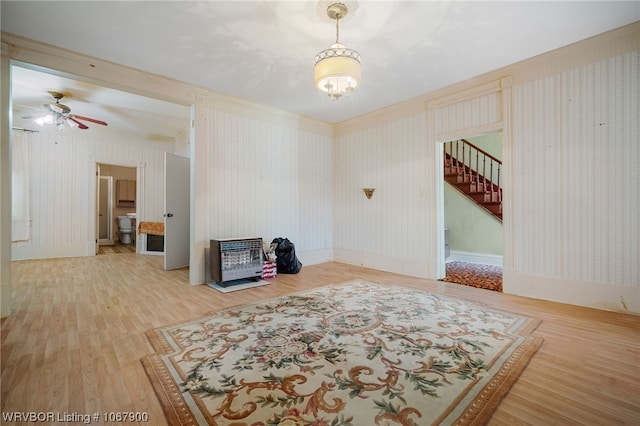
pixel 116 248
pixel 75 338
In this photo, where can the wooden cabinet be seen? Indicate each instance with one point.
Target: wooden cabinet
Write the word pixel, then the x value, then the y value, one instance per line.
pixel 125 193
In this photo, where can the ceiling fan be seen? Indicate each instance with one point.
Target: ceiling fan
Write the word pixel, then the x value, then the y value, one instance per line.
pixel 60 115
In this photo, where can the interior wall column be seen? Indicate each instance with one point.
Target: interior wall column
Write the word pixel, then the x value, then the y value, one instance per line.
pixel 198 158
pixel 5 183
pixel 509 251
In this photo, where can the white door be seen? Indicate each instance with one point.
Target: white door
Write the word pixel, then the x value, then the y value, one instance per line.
pixel 176 211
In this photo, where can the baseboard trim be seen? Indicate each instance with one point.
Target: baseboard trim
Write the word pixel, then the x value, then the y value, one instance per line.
pixel 314 257
pixel 27 252
pixel 152 253
pixel 597 295
pixel 466 256
pixel 399 265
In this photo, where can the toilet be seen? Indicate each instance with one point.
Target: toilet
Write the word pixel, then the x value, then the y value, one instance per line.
pixel 126 229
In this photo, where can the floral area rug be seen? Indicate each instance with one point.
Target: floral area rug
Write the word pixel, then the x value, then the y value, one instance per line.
pixel 474 274
pixel 351 354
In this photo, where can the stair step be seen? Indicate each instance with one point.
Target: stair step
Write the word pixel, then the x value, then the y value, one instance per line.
pixel 494 207
pixel 464 180
pixel 479 197
pixel 487 195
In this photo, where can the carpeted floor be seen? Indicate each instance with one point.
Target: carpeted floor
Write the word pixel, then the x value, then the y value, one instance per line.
pixel 477 275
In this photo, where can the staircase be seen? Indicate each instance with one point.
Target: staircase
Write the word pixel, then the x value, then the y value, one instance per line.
pixel 475 173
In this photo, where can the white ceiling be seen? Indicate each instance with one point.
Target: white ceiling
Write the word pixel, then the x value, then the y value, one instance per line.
pixel 151 119
pixel 263 51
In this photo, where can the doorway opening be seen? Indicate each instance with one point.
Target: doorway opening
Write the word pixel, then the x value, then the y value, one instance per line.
pixel 473 235
pixel 116 204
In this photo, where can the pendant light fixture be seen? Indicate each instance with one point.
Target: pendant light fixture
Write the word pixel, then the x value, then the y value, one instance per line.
pixel 337 69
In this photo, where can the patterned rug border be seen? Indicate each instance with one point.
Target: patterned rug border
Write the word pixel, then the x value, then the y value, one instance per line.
pixel 478 412
pixel 159 343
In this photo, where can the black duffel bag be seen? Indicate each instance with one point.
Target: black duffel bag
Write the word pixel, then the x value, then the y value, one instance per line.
pixel 286 260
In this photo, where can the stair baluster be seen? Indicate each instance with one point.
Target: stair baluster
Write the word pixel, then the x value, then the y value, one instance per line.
pixel 465 175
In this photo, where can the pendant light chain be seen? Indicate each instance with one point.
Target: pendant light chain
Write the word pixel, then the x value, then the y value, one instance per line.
pixel 337 28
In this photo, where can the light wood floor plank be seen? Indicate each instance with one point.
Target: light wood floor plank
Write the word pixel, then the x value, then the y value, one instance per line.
pixel 76 336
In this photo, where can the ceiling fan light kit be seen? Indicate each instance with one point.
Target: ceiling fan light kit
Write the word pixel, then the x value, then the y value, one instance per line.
pixel 61 123
pixel 337 69
pixel 60 116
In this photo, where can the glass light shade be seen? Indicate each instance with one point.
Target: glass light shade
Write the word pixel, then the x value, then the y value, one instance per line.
pixel 336 71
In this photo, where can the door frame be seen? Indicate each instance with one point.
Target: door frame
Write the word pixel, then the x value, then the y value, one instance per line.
pixel 441 259
pixel 109 180
pixel 94 164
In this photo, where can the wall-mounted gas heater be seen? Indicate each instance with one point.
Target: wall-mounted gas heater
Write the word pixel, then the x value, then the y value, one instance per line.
pixel 235 259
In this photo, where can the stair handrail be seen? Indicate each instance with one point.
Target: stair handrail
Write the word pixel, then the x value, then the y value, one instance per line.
pixel 489 183
pixel 482 151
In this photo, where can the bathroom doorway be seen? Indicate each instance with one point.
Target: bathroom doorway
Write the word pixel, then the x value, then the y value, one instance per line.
pixel 115 197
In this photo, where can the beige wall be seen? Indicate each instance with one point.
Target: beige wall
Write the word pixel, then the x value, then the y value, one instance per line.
pixel 491 143
pixel 62 179
pixel 471 229
pixel 395 150
pixel 569 120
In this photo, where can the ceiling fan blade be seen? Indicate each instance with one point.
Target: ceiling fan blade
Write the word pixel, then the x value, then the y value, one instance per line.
pixel 80 125
pixel 93 120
